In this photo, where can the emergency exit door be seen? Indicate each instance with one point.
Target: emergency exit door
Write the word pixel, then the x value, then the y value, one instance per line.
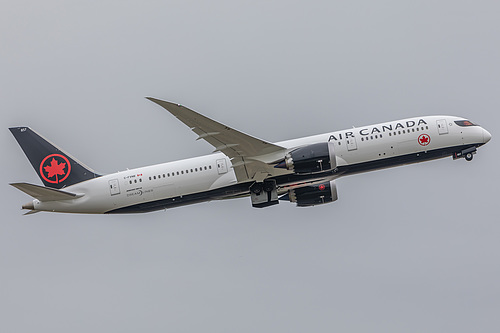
pixel 221 166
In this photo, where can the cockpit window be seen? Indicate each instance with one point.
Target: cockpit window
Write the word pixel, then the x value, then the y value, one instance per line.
pixel 465 123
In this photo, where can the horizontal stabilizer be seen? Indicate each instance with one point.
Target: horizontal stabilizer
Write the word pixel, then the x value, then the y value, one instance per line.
pixel 31 212
pixel 44 193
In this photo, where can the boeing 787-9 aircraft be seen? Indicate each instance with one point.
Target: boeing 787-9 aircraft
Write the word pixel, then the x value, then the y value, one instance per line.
pixel 302 170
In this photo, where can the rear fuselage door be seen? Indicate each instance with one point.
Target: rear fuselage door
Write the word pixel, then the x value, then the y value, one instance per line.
pixel 442 126
pixel 114 187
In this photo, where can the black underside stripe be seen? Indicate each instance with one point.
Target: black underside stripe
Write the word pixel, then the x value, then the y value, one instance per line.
pixel 243 188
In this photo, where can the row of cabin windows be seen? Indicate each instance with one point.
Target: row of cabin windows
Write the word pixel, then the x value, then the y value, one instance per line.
pixel 371 137
pixel 405 131
pixel 135 181
pixel 177 173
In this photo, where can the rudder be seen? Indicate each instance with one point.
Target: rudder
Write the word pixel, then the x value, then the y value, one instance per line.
pixel 55 167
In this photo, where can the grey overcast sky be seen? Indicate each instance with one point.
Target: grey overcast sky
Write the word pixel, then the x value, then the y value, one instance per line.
pixel 410 249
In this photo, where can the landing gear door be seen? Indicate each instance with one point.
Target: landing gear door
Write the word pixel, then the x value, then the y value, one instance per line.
pixel 442 126
pixel 114 187
pixel 350 142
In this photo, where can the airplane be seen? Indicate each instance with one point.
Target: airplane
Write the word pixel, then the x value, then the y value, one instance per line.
pixel 302 171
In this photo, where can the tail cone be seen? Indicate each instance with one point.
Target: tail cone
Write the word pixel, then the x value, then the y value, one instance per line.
pixel 29 205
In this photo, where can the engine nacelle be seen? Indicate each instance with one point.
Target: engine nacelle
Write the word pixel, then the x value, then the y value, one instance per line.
pixel 310 159
pixel 313 195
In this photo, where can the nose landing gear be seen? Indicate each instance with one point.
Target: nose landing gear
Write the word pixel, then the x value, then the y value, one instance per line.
pixel 468 154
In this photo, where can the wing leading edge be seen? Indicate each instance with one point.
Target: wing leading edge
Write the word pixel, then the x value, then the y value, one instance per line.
pixel 241 148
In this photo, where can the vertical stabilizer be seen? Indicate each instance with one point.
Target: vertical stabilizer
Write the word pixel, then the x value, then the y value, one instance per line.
pixel 55 167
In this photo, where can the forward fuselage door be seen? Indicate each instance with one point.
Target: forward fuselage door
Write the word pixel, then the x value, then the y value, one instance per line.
pixel 442 126
pixel 350 142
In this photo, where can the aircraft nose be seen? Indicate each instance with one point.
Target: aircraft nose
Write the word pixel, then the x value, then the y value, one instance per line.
pixel 486 136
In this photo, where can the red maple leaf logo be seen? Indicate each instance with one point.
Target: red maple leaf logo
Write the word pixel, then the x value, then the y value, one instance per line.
pixel 55 168
pixel 55 165
pixel 424 139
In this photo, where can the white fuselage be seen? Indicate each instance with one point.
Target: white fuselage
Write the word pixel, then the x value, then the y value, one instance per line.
pixel 212 177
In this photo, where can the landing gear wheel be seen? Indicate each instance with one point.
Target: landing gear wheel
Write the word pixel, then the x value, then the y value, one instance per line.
pixel 256 188
pixel 468 157
pixel 264 194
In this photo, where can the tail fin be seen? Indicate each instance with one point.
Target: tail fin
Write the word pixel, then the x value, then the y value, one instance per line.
pixel 55 167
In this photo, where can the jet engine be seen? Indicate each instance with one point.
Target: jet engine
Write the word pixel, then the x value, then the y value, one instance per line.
pixel 313 195
pixel 310 159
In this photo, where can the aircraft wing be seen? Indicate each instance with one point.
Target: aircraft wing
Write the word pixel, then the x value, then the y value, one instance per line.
pixel 241 148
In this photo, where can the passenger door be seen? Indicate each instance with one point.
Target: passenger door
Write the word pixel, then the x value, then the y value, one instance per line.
pixel 221 166
pixel 351 143
pixel 442 126
pixel 114 187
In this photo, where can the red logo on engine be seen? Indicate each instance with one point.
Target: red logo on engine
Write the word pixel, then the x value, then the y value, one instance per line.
pixel 55 168
pixel 322 187
pixel 424 139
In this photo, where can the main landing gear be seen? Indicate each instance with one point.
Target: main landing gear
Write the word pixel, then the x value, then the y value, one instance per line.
pixel 468 154
pixel 264 193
